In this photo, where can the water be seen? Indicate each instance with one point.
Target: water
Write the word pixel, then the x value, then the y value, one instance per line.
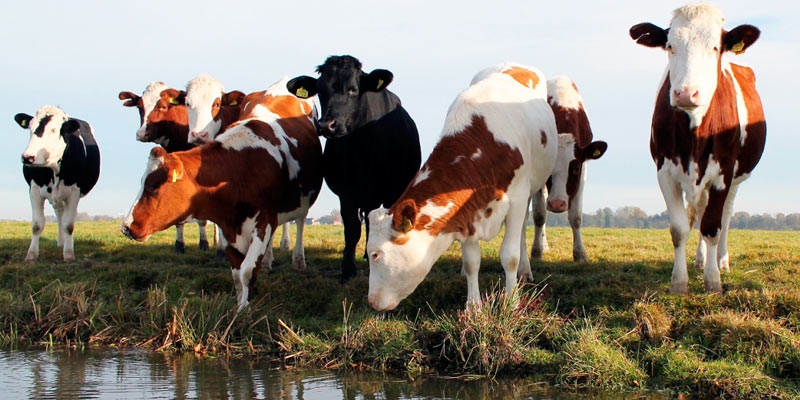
pixel 136 374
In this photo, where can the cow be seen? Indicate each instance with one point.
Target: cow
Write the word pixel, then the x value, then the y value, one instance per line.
pixel 372 146
pixel 61 165
pixel 260 173
pixel 708 132
pixel 565 185
pixel 210 108
pixel 497 149
pixel 164 121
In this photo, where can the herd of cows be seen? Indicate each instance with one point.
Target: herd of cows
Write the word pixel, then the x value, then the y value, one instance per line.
pixel 253 162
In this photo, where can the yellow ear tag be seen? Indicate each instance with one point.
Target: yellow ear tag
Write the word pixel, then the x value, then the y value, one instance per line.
pixel 596 153
pixel 738 48
pixel 173 101
pixel 407 226
pixel 302 93
pixel 233 103
pixel 380 83
pixel 174 175
pixel 24 123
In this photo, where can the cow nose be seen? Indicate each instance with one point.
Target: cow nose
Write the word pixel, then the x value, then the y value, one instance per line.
pixel 200 137
pixel 126 230
pixel 686 97
pixel 328 126
pixel 27 159
pixel 557 206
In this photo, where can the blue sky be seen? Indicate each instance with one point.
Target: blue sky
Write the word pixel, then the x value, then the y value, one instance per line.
pixel 80 54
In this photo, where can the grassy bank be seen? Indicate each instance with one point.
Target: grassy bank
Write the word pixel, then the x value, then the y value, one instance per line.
pixel 606 324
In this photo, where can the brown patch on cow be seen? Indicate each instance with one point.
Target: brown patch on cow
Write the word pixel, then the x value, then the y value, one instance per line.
pixel 525 77
pixel 543 135
pixel 573 121
pixel 469 185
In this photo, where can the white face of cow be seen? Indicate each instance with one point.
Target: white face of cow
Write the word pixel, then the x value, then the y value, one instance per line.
pixel 694 48
pixel 46 145
pixel 203 102
pixel 150 97
pixel 557 197
pixel 398 262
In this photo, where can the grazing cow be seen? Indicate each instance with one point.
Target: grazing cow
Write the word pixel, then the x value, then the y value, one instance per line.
pixel 260 173
pixel 708 132
pixel 498 146
pixel 210 108
pixel 372 148
pixel 61 164
pixel 164 121
pixel 565 185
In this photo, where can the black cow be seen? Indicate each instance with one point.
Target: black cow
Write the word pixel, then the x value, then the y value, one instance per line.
pixel 60 164
pixel 372 149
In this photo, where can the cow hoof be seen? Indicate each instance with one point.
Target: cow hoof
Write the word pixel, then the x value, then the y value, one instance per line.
pixel 69 257
pixel 580 256
pixel 525 277
pixel 679 288
pixel 347 275
pixel 713 287
pixel 286 245
pixel 203 245
pixel 699 263
pixel 31 258
pixel 220 255
pixel 724 265
pixel 536 254
pixel 180 248
pixel 299 263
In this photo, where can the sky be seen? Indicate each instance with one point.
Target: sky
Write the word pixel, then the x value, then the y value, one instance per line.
pixel 80 54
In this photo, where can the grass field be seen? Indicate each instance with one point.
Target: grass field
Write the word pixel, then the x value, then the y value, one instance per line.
pixel 606 324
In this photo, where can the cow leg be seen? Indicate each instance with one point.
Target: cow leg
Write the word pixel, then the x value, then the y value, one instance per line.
pixel 245 276
pixel 678 228
pixel 37 223
pixel 180 245
pixel 524 271
pixel 539 219
pixel 574 214
pixel 269 255
pixel 510 247
pixel 470 265
pixel 286 240
pixel 67 222
pixel 299 254
pixel 222 243
pixel 352 234
pixel 695 210
pixel 722 248
pixel 201 227
pixel 710 228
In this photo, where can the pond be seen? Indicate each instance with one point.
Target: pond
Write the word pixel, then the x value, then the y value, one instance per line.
pixel 137 374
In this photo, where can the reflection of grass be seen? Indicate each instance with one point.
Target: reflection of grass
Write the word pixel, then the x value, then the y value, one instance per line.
pixel 608 323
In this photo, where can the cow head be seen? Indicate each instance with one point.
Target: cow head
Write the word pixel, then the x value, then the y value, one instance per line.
pixel 569 172
pixel 695 42
pixel 340 88
pixel 145 104
pixel 164 198
pixel 48 128
pixel 401 253
pixel 206 101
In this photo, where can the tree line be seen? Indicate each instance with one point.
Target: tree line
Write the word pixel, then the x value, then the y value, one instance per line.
pixel 635 217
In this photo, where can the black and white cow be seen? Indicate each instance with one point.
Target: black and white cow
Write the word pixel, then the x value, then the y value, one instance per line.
pixel 61 164
pixel 372 149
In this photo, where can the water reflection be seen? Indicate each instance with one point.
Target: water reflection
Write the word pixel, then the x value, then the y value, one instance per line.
pixel 138 374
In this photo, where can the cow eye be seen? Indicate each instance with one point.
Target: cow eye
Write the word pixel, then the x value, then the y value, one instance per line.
pixel 352 91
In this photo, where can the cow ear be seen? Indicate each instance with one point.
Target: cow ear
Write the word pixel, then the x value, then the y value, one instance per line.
pixel 131 99
pixel 649 35
pixel 303 86
pixel 740 38
pixel 173 96
pixel 232 99
pixel 70 126
pixel 405 216
pixel 24 120
pixel 157 152
pixel 595 150
pixel 376 80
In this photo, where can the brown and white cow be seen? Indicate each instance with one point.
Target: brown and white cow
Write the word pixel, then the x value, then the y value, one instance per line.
pixel 708 131
pixel 498 146
pixel 565 185
pixel 262 172
pixel 210 108
pixel 164 121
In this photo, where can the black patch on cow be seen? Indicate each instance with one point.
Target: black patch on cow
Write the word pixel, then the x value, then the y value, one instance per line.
pixel 42 124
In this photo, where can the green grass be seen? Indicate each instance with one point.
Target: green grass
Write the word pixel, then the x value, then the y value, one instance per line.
pixel 605 324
